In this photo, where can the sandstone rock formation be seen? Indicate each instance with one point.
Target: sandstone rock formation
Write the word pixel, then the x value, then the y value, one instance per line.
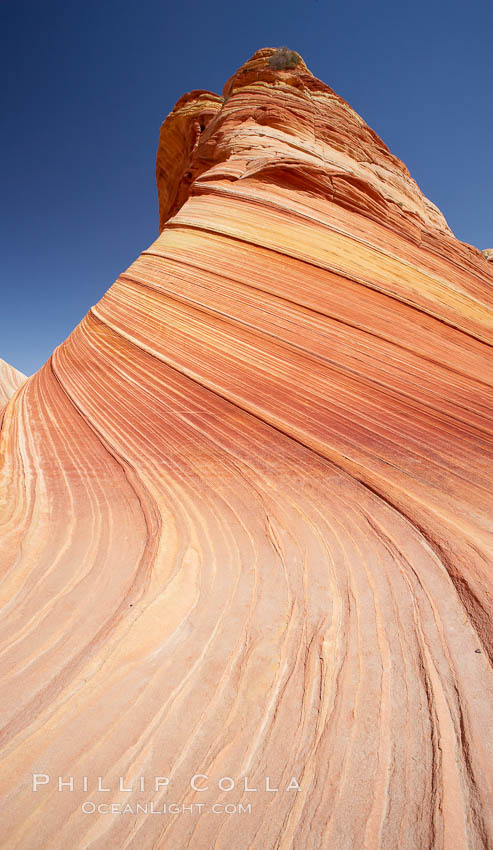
pixel 10 380
pixel 246 509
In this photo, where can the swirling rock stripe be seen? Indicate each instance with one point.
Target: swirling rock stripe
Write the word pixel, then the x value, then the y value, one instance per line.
pixel 246 519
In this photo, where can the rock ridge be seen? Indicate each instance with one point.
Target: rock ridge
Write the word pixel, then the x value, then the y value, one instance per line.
pixel 245 508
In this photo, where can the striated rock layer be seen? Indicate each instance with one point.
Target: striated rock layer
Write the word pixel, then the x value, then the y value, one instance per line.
pixel 10 380
pixel 246 508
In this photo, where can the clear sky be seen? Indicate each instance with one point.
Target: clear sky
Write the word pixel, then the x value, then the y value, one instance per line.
pixel 86 85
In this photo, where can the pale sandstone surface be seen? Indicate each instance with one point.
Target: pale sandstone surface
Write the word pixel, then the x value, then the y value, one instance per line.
pixel 246 506
pixel 10 380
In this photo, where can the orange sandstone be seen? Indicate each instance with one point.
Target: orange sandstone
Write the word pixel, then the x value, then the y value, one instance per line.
pixel 246 508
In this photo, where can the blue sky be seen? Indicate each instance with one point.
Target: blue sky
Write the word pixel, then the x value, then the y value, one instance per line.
pixel 87 84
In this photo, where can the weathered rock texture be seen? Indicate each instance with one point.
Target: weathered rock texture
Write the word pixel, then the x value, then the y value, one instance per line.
pixel 10 381
pixel 247 506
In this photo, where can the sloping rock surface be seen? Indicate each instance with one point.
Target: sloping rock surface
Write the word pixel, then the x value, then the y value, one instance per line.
pixel 10 380
pixel 246 508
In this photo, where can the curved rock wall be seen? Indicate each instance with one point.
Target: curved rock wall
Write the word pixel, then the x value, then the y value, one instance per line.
pixel 246 508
